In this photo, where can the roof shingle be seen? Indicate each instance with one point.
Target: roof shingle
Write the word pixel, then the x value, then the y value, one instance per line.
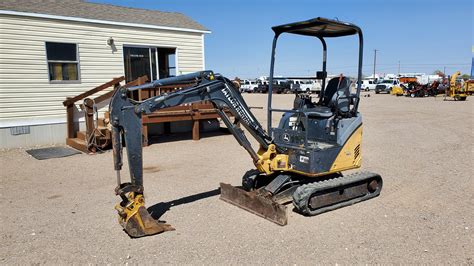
pixel 112 13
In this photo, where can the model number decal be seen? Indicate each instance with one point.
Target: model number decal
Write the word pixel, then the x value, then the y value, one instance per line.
pixel 236 105
pixel 304 159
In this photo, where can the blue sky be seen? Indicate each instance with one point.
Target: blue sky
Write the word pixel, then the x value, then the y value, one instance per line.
pixel 422 35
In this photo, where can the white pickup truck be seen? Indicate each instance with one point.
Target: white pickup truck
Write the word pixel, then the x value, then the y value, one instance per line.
pixel 386 85
pixel 249 86
pixel 308 86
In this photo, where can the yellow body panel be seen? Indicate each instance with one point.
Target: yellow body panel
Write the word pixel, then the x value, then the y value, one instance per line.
pixel 350 155
pixel 348 158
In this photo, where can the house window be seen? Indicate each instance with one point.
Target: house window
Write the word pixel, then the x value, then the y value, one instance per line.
pixel 63 64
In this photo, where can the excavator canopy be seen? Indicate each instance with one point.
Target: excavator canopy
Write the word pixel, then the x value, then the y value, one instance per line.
pixel 318 27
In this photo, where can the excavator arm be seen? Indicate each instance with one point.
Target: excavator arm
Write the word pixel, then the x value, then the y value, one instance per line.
pixel 125 115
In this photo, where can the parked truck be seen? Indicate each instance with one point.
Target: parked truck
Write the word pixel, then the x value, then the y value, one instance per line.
pixel 249 86
pixel 386 85
pixel 279 86
pixel 304 85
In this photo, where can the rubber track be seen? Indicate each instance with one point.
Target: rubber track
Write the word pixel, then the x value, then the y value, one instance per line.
pixel 303 193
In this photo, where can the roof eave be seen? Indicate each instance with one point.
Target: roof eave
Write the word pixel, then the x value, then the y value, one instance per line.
pixel 98 21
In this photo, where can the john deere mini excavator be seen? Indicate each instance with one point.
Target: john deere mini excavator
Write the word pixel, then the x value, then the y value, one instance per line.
pixel 300 161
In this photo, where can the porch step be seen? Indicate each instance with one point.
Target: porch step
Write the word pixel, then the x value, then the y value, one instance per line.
pixel 104 133
pixel 103 122
pixel 77 144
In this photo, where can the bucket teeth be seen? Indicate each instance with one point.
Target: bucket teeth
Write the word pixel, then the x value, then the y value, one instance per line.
pixel 255 203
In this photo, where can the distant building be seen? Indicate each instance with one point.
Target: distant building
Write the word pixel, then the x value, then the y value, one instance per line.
pixel 53 49
pixel 374 77
pixel 390 76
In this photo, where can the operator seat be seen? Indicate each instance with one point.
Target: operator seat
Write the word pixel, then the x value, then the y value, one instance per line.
pixel 337 93
pixel 319 111
pixel 335 99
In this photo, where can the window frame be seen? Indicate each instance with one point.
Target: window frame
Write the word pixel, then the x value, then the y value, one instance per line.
pixel 76 81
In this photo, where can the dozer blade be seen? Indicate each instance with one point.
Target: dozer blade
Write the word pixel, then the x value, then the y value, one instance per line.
pixel 254 203
pixel 137 221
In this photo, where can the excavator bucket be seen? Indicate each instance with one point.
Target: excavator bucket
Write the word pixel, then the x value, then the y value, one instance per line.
pixel 142 224
pixel 255 203
pixel 137 221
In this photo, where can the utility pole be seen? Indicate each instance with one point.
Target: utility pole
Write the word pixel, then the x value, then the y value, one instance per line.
pixel 375 60
pixel 399 67
pixel 444 71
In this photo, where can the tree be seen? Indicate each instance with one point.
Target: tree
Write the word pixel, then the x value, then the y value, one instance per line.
pixel 439 73
pixel 465 77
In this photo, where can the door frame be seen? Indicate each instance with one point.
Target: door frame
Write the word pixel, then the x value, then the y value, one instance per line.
pixel 156 56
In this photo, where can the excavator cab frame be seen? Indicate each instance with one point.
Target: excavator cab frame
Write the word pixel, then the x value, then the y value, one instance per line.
pixel 321 28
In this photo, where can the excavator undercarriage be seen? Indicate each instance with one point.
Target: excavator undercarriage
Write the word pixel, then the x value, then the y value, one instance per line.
pixel 309 198
pixel 299 161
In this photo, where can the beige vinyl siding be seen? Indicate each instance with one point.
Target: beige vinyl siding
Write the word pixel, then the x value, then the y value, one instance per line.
pixel 26 94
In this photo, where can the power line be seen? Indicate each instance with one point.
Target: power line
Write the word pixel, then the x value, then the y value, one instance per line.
pixel 375 60
pixel 430 64
pixel 396 65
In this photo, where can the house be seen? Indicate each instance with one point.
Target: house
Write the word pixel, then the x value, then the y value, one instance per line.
pixel 53 49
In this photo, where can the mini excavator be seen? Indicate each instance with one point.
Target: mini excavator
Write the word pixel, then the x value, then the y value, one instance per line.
pixel 300 161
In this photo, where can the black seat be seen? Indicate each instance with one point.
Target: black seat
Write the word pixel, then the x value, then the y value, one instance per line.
pixel 319 111
pixel 337 95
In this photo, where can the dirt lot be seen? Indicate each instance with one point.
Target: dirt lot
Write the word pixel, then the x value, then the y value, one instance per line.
pixel 61 210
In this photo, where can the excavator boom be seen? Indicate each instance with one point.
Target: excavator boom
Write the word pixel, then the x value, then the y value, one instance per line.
pixel 127 128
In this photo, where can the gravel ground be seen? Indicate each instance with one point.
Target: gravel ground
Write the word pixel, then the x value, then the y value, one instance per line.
pixel 61 210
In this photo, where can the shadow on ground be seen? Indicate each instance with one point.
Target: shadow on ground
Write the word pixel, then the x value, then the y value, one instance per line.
pixel 185 136
pixel 161 208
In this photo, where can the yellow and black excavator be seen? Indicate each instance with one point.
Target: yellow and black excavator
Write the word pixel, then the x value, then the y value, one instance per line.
pixel 300 161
